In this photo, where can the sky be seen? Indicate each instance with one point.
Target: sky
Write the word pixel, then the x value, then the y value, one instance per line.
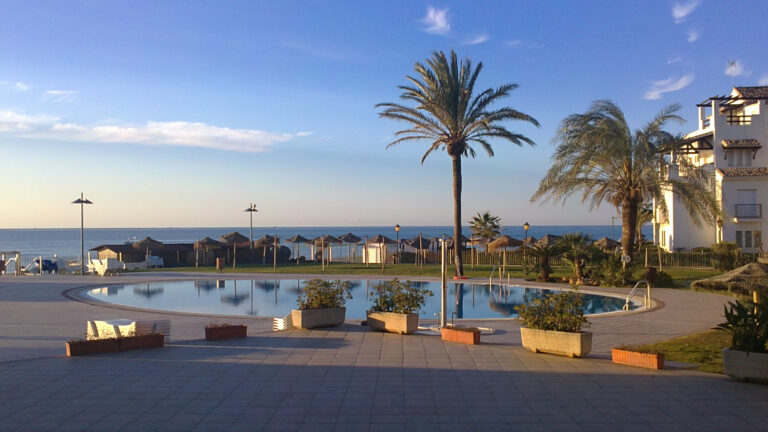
pixel 182 113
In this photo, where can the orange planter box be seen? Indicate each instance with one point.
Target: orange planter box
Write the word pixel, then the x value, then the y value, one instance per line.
pixel 226 332
pixel 632 358
pixel 470 337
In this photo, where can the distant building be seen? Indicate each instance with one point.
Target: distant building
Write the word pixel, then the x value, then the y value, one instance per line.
pixel 728 143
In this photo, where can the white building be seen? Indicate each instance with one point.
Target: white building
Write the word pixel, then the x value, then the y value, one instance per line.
pixel 728 143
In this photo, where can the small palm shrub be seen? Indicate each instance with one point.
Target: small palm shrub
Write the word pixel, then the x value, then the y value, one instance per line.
pixel 563 311
pixel 399 297
pixel 747 323
pixel 323 294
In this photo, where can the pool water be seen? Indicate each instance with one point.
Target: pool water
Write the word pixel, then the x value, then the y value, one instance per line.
pixel 275 298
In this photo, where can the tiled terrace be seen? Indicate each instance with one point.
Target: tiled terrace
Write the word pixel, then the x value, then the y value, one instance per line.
pixel 349 378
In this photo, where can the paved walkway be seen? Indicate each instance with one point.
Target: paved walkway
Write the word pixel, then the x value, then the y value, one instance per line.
pixel 349 378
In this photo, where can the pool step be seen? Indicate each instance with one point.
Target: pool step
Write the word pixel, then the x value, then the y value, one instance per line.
pixel 284 323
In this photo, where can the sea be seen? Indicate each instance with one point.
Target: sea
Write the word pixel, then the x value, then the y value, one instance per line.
pixel 65 243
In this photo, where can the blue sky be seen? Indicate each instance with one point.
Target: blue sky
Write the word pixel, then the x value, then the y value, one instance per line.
pixel 182 113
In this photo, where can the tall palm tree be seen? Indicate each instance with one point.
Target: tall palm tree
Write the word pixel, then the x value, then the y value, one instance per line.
pixel 598 155
pixel 485 226
pixel 451 118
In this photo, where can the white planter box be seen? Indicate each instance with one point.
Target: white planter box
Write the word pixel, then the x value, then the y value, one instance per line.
pixel 745 366
pixel 393 322
pixel 555 342
pixel 314 318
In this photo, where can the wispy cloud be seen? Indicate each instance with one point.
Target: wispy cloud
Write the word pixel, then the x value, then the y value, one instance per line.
pixel 693 36
pixel 763 80
pixel 478 39
pixel 735 68
pixel 179 133
pixel 518 43
pixel 667 85
pixel 17 86
pixel 677 59
pixel 59 95
pixel 680 11
pixel 436 21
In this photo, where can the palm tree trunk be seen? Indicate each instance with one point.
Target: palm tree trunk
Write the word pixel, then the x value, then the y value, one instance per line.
pixel 457 245
pixel 629 225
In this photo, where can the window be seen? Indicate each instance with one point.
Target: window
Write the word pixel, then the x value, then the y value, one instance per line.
pixel 758 238
pixel 740 238
pixel 737 158
pixel 748 239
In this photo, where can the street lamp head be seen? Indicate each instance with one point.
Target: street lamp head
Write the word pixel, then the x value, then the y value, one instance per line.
pixel 526 226
pixel 719 223
pixel 82 201
pixel 252 208
pixel 397 228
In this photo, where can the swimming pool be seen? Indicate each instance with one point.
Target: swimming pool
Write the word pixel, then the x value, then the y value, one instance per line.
pixel 273 298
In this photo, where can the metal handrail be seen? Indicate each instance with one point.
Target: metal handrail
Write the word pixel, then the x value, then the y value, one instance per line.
pixel 646 298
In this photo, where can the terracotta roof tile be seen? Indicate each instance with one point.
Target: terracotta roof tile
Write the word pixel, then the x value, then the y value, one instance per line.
pixel 742 143
pixel 743 171
pixel 753 92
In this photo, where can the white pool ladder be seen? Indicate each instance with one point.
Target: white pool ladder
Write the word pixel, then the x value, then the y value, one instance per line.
pixel 646 297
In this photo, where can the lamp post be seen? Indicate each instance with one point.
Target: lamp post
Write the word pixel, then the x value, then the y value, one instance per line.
pixel 525 243
pixel 397 240
pixel 82 201
pixel 719 230
pixel 251 210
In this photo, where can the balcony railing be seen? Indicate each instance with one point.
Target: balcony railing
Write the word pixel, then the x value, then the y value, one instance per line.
pixel 749 211
pixel 739 119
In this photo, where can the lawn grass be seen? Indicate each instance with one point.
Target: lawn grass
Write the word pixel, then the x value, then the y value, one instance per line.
pixel 703 349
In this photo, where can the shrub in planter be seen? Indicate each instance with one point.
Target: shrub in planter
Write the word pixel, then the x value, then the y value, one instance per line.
pixel 321 304
pixel 747 323
pixel 395 306
pixel 216 332
pixel 553 324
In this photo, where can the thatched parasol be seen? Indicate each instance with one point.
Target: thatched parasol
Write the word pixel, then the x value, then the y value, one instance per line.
pixel 350 239
pixel 325 241
pixel 234 299
pixel 148 244
pixel 148 292
pixel 207 244
pixel 548 240
pixel 296 240
pixel 449 241
pixel 234 238
pixel 504 242
pixel 419 243
pixel 264 242
pixel 380 239
pixel 606 244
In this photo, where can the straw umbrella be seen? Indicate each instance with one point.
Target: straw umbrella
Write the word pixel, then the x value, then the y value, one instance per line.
pixel 607 244
pixel 234 299
pixel 147 243
pixel 420 244
pixel 207 244
pixel 296 240
pixel 323 241
pixel 265 242
pixel 233 239
pixel 548 240
pixel 350 239
pixel 504 242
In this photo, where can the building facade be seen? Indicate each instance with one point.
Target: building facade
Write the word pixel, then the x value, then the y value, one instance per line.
pixel 732 130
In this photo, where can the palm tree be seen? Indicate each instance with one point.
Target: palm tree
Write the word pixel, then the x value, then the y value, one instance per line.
pixel 485 226
pixel 543 252
pixel 598 155
pixel 446 114
pixel 577 249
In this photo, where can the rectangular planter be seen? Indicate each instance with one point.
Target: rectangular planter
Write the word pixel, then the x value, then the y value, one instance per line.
pixel 746 366
pixel 90 347
pixel 226 332
pixel 393 322
pixel 154 340
pixel 315 318
pixel 465 336
pixel 556 342
pixel 633 358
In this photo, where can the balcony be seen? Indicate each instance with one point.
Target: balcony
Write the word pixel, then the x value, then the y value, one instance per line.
pixel 739 119
pixel 748 211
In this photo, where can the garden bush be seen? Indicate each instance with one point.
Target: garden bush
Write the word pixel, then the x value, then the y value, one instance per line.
pixel 562 311
pixel 323 294
pixel 399 297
